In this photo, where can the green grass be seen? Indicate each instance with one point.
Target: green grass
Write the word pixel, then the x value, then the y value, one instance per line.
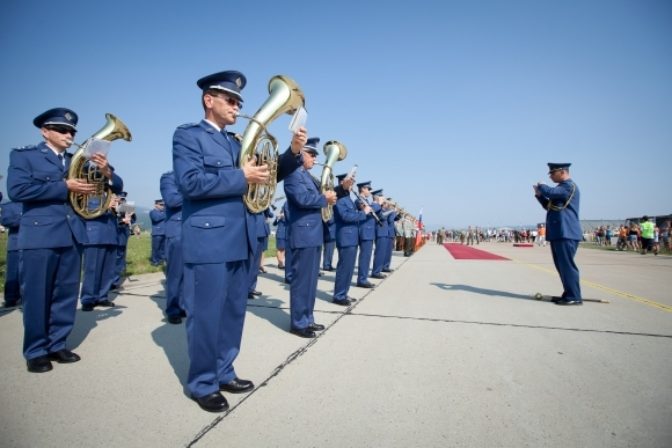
pixel 137 255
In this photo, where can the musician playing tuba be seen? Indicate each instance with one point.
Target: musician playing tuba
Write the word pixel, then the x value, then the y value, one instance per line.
pixel 50 237
pixel 218 235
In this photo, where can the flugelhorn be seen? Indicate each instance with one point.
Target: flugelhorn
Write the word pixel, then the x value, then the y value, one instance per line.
pixel 335 151
pixel 93 205
pixel 285 96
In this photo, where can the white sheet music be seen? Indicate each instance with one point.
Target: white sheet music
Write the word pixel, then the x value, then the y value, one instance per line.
pixel 95 146
pixel 298 120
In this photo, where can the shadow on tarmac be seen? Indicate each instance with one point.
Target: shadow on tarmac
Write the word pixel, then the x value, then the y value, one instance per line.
pixel 481 291
pixel 87 321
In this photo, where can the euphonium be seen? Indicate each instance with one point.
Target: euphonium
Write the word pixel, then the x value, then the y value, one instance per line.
pixel 335 151
pixel 285 97
pixel 90 206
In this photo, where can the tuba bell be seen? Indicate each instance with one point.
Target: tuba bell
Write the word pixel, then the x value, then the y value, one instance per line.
pixel 285 96
pixel 335 151
pixel 90 206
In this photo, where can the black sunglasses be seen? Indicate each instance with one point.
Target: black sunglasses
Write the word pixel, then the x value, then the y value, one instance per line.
pixel 231 101
pixel 62 129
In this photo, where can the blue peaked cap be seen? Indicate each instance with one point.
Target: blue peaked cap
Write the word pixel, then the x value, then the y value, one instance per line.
pixel 58 115
pixel 230 81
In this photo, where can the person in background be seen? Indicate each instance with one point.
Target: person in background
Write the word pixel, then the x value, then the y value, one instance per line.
pixel 10 218
pixel 172 199
pixel 158 217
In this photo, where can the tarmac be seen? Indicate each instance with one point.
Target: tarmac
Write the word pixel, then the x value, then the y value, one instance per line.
pixel 442 353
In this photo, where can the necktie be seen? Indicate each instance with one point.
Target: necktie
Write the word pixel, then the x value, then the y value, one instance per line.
pixel 61 159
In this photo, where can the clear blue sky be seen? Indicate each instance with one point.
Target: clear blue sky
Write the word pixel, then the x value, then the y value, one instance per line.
pixel 450 106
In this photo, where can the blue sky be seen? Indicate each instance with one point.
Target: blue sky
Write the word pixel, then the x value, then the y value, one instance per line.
pixel 454 107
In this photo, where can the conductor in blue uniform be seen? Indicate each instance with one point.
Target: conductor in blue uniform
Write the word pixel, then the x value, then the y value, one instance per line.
pixel 217 237
pixel 50 237
pixel 563 229
pixel 305 238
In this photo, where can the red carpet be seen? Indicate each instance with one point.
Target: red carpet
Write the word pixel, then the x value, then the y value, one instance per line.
pixel 462 252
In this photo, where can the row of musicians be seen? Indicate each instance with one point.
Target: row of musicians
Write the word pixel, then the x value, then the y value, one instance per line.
pixel 104 254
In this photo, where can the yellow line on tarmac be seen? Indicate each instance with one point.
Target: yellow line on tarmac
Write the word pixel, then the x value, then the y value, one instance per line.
pixel 595 285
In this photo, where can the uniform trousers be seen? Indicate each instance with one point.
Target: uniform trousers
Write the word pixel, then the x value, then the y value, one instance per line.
pixel 120 266
pixel 12 285
pixel 215 298
pixel 328 255
pixel 388 255
pixel 99 267
pixel 364 261
pixel 174 276
pixel 50 293
pixel 289 274
pixel 344 271
pixel 158 249
pixel 563 257
pixel 255 260
pixel 305 269
pixel 379 255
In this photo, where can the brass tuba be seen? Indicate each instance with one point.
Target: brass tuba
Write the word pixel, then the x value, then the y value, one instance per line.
pixel 90 206
pixel 285 97
pixel 335 151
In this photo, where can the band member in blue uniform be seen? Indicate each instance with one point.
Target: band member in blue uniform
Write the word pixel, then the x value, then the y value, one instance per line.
pixel 563 229
pixel 172 199
pixel 217 237
pixel 382 231
pixel 125 219
pixel 329 245
pixel 391 235
pixel 10 218
pixel 347 219
pixel 261 231
pixel 280 237
pixel 367 233
pixel 50 237
pixel 305 237
pixel 100 257
pixel 158 217
pixel 288 249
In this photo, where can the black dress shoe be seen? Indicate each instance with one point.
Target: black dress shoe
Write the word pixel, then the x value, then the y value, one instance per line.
pixel 106 303
pixel 255 293
pixel 342 302
pixel 183 313
pixel 251 296
pixel 64 356
pixel 329 269
pixel 379 276
pixel 87 306
pixel 569 302
pixel 175 320
pixel 316 327
pixel 262 270
pixel 9 304
pixel 388 270
pixel 366 285
pixel 281 266
pixel 555 299
pixel 214 402
pixel 237 386
pixel 39 365
pixel 303 332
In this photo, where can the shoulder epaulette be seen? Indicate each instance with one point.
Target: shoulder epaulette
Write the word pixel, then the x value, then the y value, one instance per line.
pixel 187 125
pixel 25 148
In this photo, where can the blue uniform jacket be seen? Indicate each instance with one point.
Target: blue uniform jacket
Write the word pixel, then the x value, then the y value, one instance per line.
pixel 329 230
pixel 35 178
pixel 102 230
pixel 173 199
pixel 383 230
pixel 158 218
pixel 10 218
pixel 390 224
pixel 304 203
pixel 561 224
pixel 367 229
pixel 346 218
pixel 215 227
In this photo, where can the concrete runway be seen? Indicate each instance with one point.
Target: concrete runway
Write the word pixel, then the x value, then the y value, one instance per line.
pixel 442 353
